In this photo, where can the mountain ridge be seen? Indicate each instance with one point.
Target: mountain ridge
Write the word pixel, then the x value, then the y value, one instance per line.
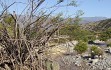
pixel 86 20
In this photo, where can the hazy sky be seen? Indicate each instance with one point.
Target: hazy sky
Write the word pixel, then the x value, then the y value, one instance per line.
pixel 91 8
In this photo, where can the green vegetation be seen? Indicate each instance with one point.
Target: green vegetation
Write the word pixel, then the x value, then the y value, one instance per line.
pixel 108 43
pixel 103 25
pixel 96 51
pixel 105 35
pixel 102 29
pixel 9 25
pixel 77 33
pixel 81 47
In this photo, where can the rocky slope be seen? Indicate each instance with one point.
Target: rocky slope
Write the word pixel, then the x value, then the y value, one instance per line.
pixel 98 25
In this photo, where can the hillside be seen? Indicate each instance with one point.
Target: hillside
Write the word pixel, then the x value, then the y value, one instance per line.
pixel 98 25
pixel 103 25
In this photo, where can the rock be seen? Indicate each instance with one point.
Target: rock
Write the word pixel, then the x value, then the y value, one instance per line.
pixel 78 63
pixel 108 68
pixel 98 41
pixel 89 59
pixel 94 61
pixel 1 47
pixel 110 50
pixel 96 56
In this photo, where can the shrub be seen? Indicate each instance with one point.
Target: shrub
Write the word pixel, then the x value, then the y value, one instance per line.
pixel 81 47
pixel 96 50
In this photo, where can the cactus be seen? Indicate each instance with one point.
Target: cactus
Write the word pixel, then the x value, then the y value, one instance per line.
pixel 55 66
pixel 52 65
pixel 48 65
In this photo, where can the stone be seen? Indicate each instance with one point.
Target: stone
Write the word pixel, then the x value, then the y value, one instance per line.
pixel 110 50
pixel 94 61
pixel 108 68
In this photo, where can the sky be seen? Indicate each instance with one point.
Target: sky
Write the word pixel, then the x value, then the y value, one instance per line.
pixel 91 8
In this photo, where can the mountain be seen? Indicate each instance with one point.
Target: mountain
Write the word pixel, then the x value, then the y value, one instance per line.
pixel 86 20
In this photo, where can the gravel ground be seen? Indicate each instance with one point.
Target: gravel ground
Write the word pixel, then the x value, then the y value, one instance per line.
pixel 103 64
pixel 72 62
pixel 75 62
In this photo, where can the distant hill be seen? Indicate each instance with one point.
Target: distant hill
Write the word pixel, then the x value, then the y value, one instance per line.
pixel 86 20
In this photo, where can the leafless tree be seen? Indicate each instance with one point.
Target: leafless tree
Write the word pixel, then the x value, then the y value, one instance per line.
pixel 24 46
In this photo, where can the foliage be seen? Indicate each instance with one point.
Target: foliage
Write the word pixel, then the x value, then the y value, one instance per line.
pixel 9 20
pixel 96 50
pixel 103 25
pixel 91 36
pixel 77 33
pixel 105 35
pixel 1 26
pixel 9 25
pixel 81 47
pixel 108 43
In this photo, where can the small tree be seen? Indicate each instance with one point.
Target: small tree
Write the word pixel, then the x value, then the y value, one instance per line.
pixel 33 28
pixel 81 47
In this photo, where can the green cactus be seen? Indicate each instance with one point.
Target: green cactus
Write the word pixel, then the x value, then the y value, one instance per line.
pixel 52 65
pixel 55 66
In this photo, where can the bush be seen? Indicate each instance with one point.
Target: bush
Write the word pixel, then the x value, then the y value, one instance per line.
pixel 96 51
pixel 81 47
